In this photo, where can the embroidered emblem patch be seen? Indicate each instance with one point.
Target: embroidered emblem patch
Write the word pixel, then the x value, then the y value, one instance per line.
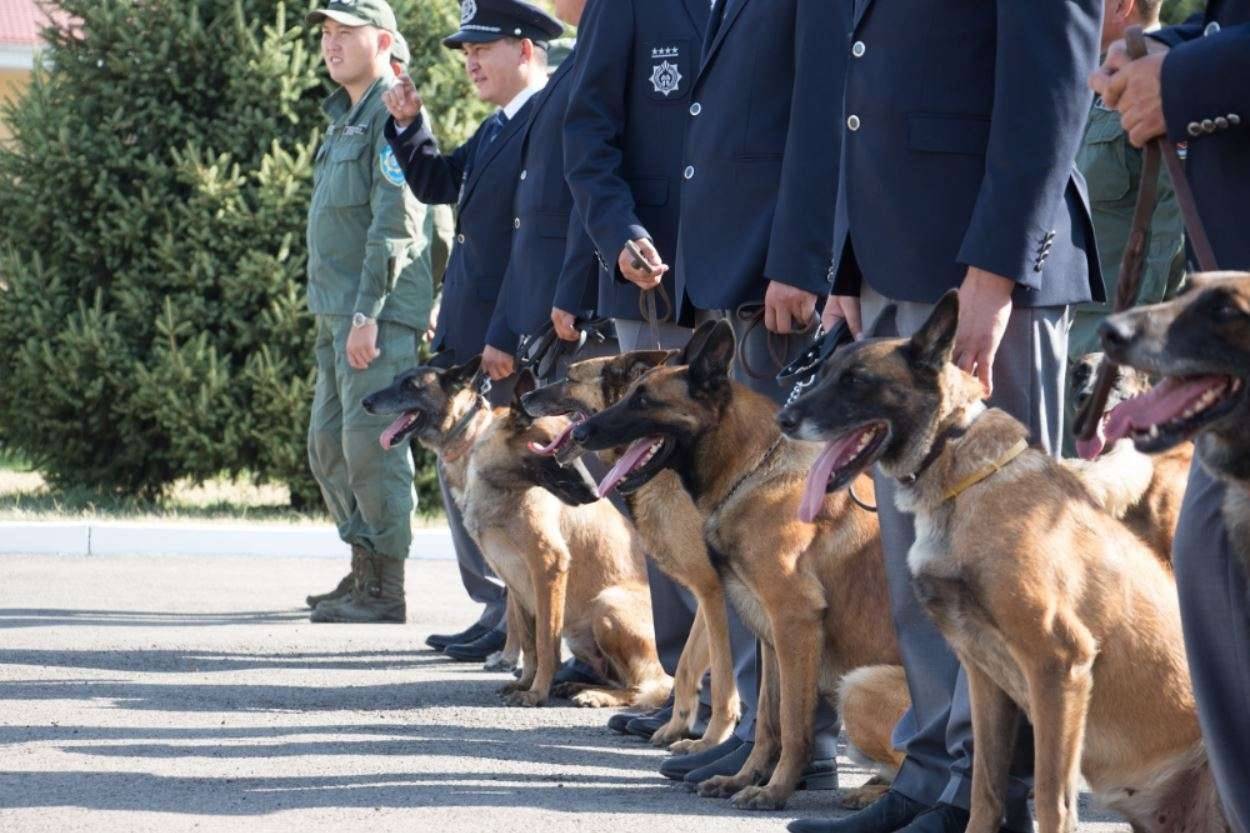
pixel 666 78
pixel 390 166
pixel 468 10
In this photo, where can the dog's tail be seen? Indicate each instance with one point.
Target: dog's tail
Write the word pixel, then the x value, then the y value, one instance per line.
pixel 871 700
pixel 1117 480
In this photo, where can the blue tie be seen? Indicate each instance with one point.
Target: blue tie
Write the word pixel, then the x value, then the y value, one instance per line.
pixel 493 125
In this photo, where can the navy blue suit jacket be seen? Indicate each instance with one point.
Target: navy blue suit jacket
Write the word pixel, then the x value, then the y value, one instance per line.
pixel 1206 76
pixel 553 261
pixel 623 134
pixel 762 140
pixel 481 188
pixel 960 126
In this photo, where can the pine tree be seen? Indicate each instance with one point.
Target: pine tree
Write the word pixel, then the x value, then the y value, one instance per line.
pixel 153 323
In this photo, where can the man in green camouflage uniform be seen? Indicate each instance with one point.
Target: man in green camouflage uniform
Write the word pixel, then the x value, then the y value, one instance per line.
pixel 369 287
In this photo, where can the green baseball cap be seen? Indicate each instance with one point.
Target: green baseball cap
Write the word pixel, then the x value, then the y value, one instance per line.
pixel 400 51
pixel 357 13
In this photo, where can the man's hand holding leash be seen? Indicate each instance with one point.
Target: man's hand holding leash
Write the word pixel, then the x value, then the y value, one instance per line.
pixel 643 267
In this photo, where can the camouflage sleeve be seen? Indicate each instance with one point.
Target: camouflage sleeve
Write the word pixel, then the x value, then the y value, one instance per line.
pixel 391 230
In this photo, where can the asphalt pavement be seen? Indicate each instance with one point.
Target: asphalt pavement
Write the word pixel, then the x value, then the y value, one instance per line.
pixel 191 693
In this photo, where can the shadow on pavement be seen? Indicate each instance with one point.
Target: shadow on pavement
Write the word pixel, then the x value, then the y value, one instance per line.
pixel 191 660
pixel 28 617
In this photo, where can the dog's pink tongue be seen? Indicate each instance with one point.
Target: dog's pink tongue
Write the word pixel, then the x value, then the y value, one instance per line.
pixel 388 436
pixel 1091 448
pixel 552 447
pixel 818 478
pixel 623 466
pixel 1164 402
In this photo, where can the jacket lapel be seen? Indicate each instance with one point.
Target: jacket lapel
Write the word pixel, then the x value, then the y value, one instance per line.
pixel 515 126
pixel 861 7
pixel 698 13
pixel 728 15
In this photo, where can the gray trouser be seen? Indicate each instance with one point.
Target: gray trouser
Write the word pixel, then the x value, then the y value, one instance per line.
pixel 1215 612
pixel 936 732
pixel 479 582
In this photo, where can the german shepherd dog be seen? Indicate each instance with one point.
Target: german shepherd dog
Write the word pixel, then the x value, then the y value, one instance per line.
pixel 814 592
pixel 1054 607
pixel 1200 344
pixel 572 570
pixel 1143 491
pixel 672 531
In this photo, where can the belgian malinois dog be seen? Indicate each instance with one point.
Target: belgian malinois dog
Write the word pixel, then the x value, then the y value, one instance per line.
pixel 572 563
pixel 814 591
pixel 671 528
pixel 1054 607
pixel 1143 491
pixel 1199 343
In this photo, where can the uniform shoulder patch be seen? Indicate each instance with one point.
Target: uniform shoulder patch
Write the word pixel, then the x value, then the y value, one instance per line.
pixel 390 167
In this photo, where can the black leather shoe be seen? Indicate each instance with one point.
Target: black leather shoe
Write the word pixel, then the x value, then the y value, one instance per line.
pixel 573 671
pixel 439 641
pixel 477 650
pixel 620 721
pixel 679 766
pixel 889 813
pixel 648 725
pixel 942 818
pixel 820 774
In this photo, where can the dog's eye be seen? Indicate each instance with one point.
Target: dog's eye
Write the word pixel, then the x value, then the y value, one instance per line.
pixel 641 400
pixel 1229 310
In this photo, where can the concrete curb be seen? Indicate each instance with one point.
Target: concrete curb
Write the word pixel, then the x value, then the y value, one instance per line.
pixel 87 538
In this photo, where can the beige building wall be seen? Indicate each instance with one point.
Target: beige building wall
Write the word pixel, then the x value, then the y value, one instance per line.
pixel 13 83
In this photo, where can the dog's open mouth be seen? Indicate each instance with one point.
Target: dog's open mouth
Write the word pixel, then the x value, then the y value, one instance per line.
pixel 1169 413
pixel 843 458
pixel 401 429
pixel 560 441
pixel 641 461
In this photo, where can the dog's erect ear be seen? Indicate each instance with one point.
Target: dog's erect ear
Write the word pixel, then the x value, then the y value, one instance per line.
pixel 526 383
pixel 696 343
pixel 455 377
pixel 934 344
pixel 710 363
pixel 640 361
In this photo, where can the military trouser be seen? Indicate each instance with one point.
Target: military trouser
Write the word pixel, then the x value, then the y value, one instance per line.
pixel 368 490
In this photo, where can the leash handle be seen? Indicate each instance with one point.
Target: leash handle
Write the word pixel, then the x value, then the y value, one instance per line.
pixel 647 298
pixel 753 314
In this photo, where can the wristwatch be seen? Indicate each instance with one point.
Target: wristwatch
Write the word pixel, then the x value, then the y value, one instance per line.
pixel 359 320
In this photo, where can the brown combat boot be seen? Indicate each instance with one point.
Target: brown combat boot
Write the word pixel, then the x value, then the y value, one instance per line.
pixel 346 584
pixel 378 595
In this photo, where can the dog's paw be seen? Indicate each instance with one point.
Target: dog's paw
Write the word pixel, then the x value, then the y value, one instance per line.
pixel 759 798
pixel 592 698
pixel 527 699
pixel 498 662
pixel 668 734
pixel 863 797
pixel 690 746
pixel 721 786
pixel 512 687
pixel 567 691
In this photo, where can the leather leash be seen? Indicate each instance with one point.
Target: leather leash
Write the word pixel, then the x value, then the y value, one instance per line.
pixel 1133 262
pixel 753 314
pixel 647 297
